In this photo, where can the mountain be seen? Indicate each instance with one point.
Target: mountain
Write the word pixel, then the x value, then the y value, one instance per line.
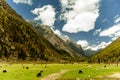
pixel 68 45
pixel 75 47
pixel 20 41
pixel 90 52
pixel 110 54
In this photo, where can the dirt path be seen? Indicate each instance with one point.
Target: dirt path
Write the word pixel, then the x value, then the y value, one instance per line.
pixel 54 76
pixel 114 75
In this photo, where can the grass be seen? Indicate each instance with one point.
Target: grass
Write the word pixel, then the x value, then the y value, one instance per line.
pixel 91 71
pixel 17 72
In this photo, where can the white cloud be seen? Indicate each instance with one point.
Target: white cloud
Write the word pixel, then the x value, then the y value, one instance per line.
pixel 97 31
pixel 110 31
pixel 80 15
pixel 29 2
pixel 117 20
pixel 114 38
pixel 63 37
pixel 116 35
pixel 46 15
pixel 57 32
pixel 114 31
pixel 82 22
pixel 102 45
pixel 83 43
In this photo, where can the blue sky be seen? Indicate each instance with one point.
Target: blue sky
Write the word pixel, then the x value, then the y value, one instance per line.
pixel 92 23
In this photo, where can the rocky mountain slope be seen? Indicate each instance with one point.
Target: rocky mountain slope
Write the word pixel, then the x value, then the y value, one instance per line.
pixel 75 47
pixel 20 41
pixel 109 54
pixel 68 45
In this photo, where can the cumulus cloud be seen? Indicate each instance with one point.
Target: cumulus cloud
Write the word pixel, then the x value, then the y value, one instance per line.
pixel 116 35
pixel 63 37
pixel 114 38
pixel 80 15
pixel 57 32
pixel 29 2
pixel 45 14
pixel 83 43
pixel 111 32
pixel 102 45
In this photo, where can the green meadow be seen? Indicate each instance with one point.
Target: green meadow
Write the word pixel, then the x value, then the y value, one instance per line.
pixel 19 71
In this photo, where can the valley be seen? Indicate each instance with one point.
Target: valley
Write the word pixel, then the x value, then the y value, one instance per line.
pixel 29 52
pixel 20 41
pixel 54 71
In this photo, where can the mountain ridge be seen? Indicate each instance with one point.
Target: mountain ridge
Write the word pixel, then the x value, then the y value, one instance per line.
pixel 20 41
pixel 108 55
pixel 68 45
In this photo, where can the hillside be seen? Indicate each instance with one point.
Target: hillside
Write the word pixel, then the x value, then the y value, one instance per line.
pixel 20 41
pixel 73 49
pixel 109 54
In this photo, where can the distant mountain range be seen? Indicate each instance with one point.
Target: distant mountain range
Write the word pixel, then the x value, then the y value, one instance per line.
pixel 111 54
pixel 90 52
pixel 20 41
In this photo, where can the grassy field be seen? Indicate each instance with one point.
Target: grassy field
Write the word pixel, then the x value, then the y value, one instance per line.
pixel 19 71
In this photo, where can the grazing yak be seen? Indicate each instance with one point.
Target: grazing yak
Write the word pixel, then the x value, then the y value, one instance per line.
pixel 80 71
pixel 40 73
pixel 4 71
